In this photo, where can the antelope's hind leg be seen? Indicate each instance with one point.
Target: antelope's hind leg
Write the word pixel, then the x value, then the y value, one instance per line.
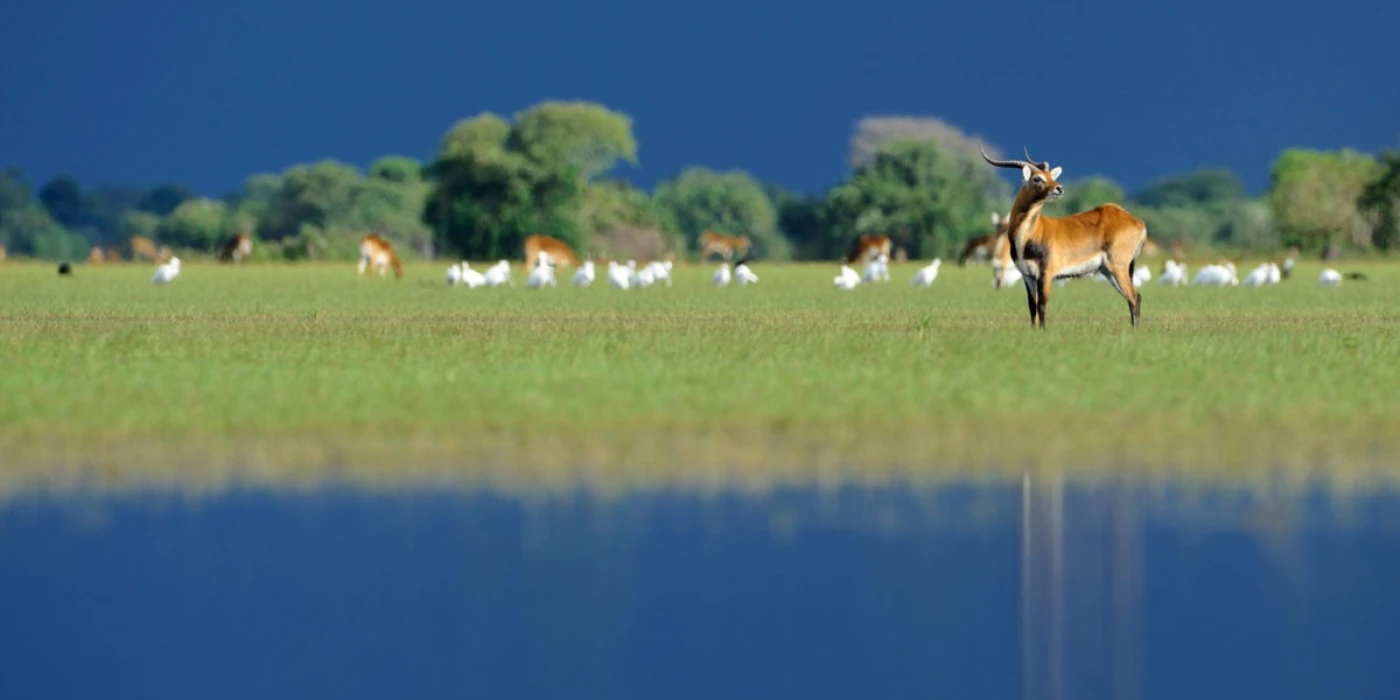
pixel 1123 281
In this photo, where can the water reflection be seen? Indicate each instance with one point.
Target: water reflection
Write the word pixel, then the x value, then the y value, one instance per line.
pixel 1043 589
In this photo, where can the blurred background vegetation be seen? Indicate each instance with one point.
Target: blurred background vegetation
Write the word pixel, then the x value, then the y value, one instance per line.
pixel 495 180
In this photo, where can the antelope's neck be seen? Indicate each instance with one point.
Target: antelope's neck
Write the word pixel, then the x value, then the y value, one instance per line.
pixel 1024 216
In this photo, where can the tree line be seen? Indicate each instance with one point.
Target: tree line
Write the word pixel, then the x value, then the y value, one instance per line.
pixel 493 181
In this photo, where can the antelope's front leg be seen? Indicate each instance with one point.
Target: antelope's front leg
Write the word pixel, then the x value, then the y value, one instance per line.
pixel 1044 299
pixel 1032 298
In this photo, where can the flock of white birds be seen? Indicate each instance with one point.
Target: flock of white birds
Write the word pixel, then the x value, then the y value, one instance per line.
pixel 629 275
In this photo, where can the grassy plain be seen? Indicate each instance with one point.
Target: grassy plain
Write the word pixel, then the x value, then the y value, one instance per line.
pixel 293 373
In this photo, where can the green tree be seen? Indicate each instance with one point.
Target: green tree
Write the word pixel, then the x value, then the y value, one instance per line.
pixel 1381 200
pixel 584 136
pixel 1316 196
pixel 1249 224
pixel 1208 188
pixel 623 222
pixel 926 199
pixel 29 230
pixel 162 199
pixel 199 223
pixel 1085 194
pixel 138 223
pixel 62 197
pixel 800 222
pixel 312 194
pixel 732 202
pixel 494 183
pixel 400 170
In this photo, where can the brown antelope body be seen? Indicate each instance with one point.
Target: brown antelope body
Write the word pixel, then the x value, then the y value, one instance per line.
pixel 379 253
pixel 1104 239
pixel 237 247
pixel 1002 263
pixel 142 247
pixel 2 253
pixel 560 254
pixel 726 246
pixel 868 247
pixel 95 255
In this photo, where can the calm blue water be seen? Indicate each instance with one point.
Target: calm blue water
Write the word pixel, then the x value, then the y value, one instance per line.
pixel 971 592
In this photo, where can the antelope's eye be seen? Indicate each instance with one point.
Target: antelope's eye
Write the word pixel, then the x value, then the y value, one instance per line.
pixel 1038 180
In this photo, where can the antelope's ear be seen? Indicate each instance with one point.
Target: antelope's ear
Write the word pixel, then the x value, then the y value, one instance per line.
pixel 1025 173
pixel 996 218
pixel 1055 174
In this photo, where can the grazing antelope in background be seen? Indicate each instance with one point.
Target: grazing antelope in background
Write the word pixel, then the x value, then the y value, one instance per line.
pixel 2 253
pixel 95 256
pixel 142 247
pixel 726 246
pixel 237 247
pixel 1104 239
pixel 560 254
pixel 983 247
pixel 868 247
pixel 378 252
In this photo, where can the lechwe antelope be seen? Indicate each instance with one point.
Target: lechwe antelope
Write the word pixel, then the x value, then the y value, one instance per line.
pixel 1104 239
pixel 560 254
pixel 380 253
pixel 727 246
pixel 1004 271
pixel 983 247
pixel 237 247
pixel 868 247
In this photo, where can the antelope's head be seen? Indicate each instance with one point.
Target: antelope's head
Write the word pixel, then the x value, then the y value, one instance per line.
pixel 1038 179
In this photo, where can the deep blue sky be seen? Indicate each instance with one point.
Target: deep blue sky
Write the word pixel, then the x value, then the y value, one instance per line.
pixel 206 93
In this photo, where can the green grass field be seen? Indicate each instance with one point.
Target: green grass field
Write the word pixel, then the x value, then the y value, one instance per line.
pixel 299 372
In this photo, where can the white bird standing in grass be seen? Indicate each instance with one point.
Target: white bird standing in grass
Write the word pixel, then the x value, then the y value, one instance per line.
pixel 543 274
pixel 1216 276
pixel 1268 273
pixel 499 274
pixel 1329 278
pixel 721 277
pixel 1007 275
pixel 660 271
pixel 619 276
pixel 471 278
pixel 1142 274
pixel 927 274
pixel 878 270
pixel 167 272
pixel 1173 274
pixel 743 274
pixel 454 275
pixel 847 279
pixel 584 276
